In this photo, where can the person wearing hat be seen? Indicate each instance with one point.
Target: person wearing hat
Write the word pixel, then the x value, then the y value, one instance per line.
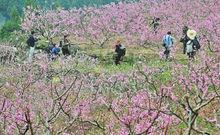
pixel 192 44
pixel 168 44
pixel 120 51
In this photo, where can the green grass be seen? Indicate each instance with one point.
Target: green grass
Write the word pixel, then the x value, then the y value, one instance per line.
pixel 131 59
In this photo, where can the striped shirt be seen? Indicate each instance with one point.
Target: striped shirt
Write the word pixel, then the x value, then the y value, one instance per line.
pixel 168 40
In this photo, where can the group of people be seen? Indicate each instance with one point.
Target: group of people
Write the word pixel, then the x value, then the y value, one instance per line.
pixel 189 40
pixel 53 50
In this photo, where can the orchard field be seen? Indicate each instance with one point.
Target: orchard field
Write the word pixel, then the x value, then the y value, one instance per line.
pixel 88 94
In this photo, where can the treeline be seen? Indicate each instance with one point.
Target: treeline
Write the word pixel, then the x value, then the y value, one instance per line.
pixel 7 5
pixel 12 10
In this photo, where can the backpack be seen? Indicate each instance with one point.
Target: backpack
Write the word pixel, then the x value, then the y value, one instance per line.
pixel 189 46
pixel 196 44
pixel 122 50
pixel 55 50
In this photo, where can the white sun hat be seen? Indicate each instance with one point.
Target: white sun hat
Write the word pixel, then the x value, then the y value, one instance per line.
pixel 191 34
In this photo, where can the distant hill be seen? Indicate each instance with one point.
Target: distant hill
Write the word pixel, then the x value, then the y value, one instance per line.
pixel 7 5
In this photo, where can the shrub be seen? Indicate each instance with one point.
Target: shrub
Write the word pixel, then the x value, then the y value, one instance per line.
pixel 8 28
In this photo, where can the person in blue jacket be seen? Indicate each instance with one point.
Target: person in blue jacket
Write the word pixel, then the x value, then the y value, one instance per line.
pixel 168 44
pixel 55 51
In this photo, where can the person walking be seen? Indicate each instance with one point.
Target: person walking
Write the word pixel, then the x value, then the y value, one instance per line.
pixel 192 44
pixel 168 44
pixel 184 39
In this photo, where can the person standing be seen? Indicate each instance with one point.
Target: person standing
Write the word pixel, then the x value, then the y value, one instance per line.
pixel 168 44
pixel 65 46
pixel 31 43
pixel 184 39
pixel 120 51
pixel 192 44
pixel 155 24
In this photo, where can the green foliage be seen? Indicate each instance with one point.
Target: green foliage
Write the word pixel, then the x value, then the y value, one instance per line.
pixel 32 3
pixel 81 3
pixel 2 20
pixel 130 59
pixel 58 4
pixel 7 5
pixel 14 15
pixel 8 28
pixel 182 125
pixel 10 25
pixel 41 44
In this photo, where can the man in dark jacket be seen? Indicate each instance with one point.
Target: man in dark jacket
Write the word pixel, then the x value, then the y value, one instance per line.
pixel 31 43
pixel 155 24
pixel 184 38
pixel 64 44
